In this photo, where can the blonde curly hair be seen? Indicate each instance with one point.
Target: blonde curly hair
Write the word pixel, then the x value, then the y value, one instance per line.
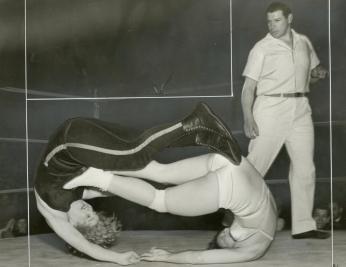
pixel 104 233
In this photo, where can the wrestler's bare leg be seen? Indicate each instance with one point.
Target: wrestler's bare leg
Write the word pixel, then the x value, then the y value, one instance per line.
pixel 197 175
pixel 177 200
pixel 180 171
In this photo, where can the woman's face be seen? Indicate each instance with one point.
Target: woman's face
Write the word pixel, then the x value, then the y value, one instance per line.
pixel 82 214
pixel 224 239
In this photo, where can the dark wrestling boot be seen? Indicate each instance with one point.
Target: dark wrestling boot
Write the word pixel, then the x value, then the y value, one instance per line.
pixel 313 234
pixel 201 128
pixel 208 130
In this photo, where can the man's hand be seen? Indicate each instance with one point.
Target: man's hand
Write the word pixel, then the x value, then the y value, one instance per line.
pixel 319 72
pixel 155 254
pixel 250 128
pixel 127 258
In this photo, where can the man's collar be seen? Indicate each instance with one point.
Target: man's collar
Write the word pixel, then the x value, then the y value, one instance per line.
pixel 295 37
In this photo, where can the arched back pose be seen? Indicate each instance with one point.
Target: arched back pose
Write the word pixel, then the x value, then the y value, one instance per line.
pixel 82 143
pixel 203 185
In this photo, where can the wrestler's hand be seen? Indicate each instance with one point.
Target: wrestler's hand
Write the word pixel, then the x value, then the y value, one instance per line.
pixel 155 254
pixel 250 128
pixel 127 258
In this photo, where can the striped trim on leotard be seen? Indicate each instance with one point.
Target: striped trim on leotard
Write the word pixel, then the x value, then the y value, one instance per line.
pixel 115 152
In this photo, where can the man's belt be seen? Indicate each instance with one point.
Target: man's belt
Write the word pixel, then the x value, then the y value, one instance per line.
pixel 289 95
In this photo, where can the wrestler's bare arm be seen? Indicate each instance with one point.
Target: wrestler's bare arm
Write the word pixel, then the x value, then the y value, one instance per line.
pixel 247 250
pixel 215 256
pixel 57 220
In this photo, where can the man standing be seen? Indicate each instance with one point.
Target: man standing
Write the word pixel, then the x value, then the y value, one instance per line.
pixel 277 111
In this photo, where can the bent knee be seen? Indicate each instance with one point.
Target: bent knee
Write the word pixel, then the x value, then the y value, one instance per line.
pixel 159 202
pixel 304 171
pixel 217 161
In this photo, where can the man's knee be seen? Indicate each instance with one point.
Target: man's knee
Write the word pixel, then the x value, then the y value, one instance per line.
pixel 303 169
pixel 159 201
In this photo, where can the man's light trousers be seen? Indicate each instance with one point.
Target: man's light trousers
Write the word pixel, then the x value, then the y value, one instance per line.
pixel 287 121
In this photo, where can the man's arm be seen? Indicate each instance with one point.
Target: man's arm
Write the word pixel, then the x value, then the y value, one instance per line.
pixel 58 222
pixel 247 100
pixel 231 255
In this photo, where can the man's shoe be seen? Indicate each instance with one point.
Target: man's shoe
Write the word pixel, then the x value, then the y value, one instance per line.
pixel 210 131
pixel 313 234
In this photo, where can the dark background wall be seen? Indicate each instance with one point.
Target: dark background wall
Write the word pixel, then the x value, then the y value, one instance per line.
pixel 338 56
pixel 129 48
pixel 13 202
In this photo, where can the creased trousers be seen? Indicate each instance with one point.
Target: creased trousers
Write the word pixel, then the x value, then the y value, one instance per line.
pixel 287 121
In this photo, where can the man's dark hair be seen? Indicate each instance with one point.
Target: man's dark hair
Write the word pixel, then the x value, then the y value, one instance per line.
pixel 276 6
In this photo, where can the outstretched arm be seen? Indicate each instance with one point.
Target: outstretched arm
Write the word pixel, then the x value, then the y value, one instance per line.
pixel 207 256
pixel 58 221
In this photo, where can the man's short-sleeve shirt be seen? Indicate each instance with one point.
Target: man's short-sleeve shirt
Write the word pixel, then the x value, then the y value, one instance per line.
pixel 278 68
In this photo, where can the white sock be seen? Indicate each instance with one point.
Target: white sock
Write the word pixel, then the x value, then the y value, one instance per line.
pixel 91 177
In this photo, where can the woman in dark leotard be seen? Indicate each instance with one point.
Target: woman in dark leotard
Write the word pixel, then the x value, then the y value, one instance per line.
pixel 81 143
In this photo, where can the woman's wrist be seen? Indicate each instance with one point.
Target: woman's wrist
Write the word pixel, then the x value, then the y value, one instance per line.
pixel 182 257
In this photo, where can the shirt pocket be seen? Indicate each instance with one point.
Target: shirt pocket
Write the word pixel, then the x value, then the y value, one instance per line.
pixel 274 63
